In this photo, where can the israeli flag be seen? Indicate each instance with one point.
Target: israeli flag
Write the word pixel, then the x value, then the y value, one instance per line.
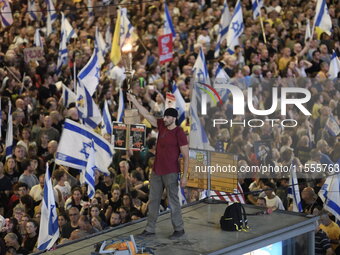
pixel 89 75
pixel 74 147
pixel 62 57
pixel 223 28
pixel 9 134
pixel 180 104
pixel 32 9
pixel 106 120
pixel 330 194
pixel 198 138
pixel 100 44
pixel 201 76
pixel 67 28
pixel 332 126
pixel 88 110
pixel 256 7
pixel 236 28
pixel 200 70
pixel 121 106
pixel 51 11
pixel 37 39
pixel 90 172
pixel 6 14
pixel 322 19
pixel 293 191
pixel 68 96
pixel 221 80
pixel 127 31
pixel 202 80
pixel 49 229
pixel 334 66
pixel 168 26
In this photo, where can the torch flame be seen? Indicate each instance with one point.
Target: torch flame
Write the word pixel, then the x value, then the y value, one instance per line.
pixel 127 48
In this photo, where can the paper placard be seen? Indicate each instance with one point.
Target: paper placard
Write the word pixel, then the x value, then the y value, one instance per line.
pixel 137 137
pixel 33 54
pixel 165 48
pixel 119 131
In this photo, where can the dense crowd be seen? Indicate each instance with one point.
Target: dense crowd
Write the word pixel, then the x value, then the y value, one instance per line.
pixel 38 113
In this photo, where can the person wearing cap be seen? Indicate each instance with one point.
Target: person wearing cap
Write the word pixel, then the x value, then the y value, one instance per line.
pixel 171 142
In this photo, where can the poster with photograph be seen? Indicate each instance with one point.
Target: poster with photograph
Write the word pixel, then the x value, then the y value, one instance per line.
pixel 137 137
pixel 263 150
pixel 120 135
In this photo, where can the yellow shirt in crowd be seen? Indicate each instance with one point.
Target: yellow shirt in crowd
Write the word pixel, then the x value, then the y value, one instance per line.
pixel 332 231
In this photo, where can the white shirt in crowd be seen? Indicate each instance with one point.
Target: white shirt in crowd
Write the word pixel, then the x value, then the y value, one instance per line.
pixel 37 193
pixel 64 190
pixel 274 203
pixel 117 73
pixel 204 39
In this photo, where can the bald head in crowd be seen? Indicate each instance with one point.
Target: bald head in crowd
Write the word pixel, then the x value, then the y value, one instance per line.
pixel 72 113
pixel 52 146
pixel 78 234
pixel 308 195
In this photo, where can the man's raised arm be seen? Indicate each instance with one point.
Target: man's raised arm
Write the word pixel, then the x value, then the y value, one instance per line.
pixel 142 109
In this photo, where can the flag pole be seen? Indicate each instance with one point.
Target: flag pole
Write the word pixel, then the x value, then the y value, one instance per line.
pixel 166 74
pixel 313 28
pixel 141 42
pixel 74 75
pixel 14 76
pixel 261 22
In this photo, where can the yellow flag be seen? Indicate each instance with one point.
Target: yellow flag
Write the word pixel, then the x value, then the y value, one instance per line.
pixel 115 54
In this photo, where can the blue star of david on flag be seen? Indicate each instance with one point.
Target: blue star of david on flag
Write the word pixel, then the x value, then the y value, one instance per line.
pixel 200 76
pixel 236 26
pixel 90 171
pixel 84 149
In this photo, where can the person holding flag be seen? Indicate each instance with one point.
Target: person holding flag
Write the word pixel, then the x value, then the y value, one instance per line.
pixel 171 142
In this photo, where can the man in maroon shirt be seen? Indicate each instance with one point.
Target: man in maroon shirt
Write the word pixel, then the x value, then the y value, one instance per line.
pixel 171 142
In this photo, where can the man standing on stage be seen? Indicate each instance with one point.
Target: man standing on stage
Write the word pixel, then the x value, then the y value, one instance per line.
pixel 171 142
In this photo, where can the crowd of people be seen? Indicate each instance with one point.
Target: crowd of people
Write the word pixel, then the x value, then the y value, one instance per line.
pixel 286 59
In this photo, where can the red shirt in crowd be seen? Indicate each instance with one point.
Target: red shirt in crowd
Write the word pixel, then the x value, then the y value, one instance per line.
pixel 168 149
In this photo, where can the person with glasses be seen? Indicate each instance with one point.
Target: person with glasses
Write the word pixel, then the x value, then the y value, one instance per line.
pixel 73 214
